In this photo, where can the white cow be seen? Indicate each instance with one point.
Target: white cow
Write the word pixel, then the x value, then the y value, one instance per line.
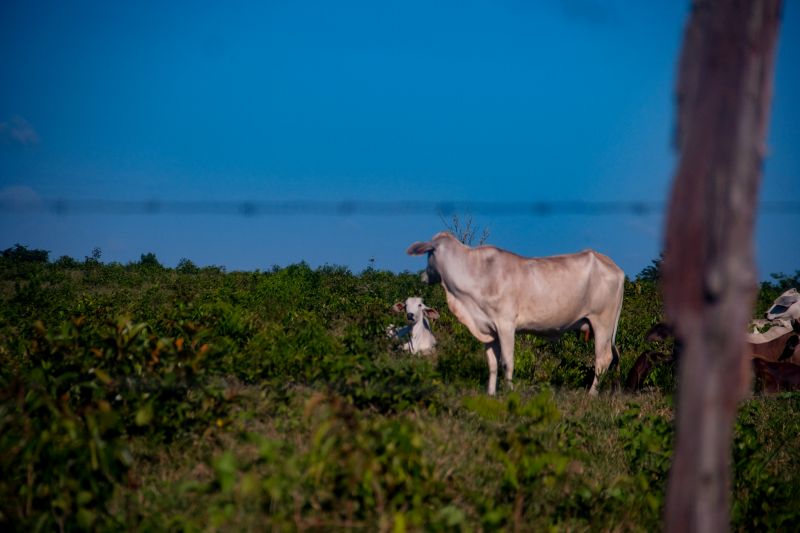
pixel 495 293
pixel 419 334
pixel 785 307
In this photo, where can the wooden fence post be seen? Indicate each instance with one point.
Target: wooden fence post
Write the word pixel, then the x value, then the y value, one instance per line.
pixel 724 93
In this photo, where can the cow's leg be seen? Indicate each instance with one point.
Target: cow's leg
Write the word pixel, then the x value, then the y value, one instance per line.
pixel 506 337
pixel 492 349
pixel 603 355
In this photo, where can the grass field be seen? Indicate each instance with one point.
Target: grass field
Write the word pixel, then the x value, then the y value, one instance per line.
pixel 142 397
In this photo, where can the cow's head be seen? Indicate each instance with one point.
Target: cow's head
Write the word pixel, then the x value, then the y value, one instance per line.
pixel 432 274
pixel 415 309
pixel 787 306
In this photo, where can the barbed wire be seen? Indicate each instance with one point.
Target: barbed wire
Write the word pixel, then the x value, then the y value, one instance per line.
pixel 354 207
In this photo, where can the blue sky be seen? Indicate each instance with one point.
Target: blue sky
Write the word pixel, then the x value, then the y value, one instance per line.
pixel 295 100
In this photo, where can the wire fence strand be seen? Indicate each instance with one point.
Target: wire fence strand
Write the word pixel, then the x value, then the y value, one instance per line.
pixel 353 207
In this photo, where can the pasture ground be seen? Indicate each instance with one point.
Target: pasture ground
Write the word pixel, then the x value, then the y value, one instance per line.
pixel 141 397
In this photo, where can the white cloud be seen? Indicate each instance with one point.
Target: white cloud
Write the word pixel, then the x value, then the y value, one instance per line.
pixel 18 130
pixel 20 198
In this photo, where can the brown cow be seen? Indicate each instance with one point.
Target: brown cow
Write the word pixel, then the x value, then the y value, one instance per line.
pixel 781 345
pixel 645 363
pixel 776 377
pixel 649 360
pixel 659 332
pixel 770 356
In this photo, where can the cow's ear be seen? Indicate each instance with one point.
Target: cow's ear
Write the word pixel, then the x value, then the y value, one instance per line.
pixel 398 307
pixel 432 313
pixel 419 248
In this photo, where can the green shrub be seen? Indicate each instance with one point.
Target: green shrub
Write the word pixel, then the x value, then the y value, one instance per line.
pixel 21 254
pixel 357 471
pixel 765 478
pixel 186 266
pixel 60 459
pixel 149 260
pixel 647 441
pixel 531 464
pixel 276 399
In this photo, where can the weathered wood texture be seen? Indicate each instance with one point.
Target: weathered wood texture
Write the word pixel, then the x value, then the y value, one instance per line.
pixel 724 93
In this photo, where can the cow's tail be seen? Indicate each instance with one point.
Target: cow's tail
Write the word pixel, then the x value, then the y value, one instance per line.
pixel 614 352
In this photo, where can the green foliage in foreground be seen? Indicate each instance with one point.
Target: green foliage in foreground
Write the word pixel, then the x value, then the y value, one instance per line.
pixel 141 397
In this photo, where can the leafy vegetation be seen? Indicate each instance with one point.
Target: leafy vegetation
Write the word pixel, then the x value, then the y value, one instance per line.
pixel 143 397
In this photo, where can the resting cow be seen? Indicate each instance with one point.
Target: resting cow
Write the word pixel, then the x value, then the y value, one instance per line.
pixel 643 366
pixel 651 359
pixel 776 377
pixel 777 344
pixel 786 306
pixel 418 332
pixel 495 293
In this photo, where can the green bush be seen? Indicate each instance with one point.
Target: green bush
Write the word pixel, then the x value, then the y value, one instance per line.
pixel 765 482
pixel 61 458
pixel 357 470
pixel 144 397
pixel 21 254
pixel 647 441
